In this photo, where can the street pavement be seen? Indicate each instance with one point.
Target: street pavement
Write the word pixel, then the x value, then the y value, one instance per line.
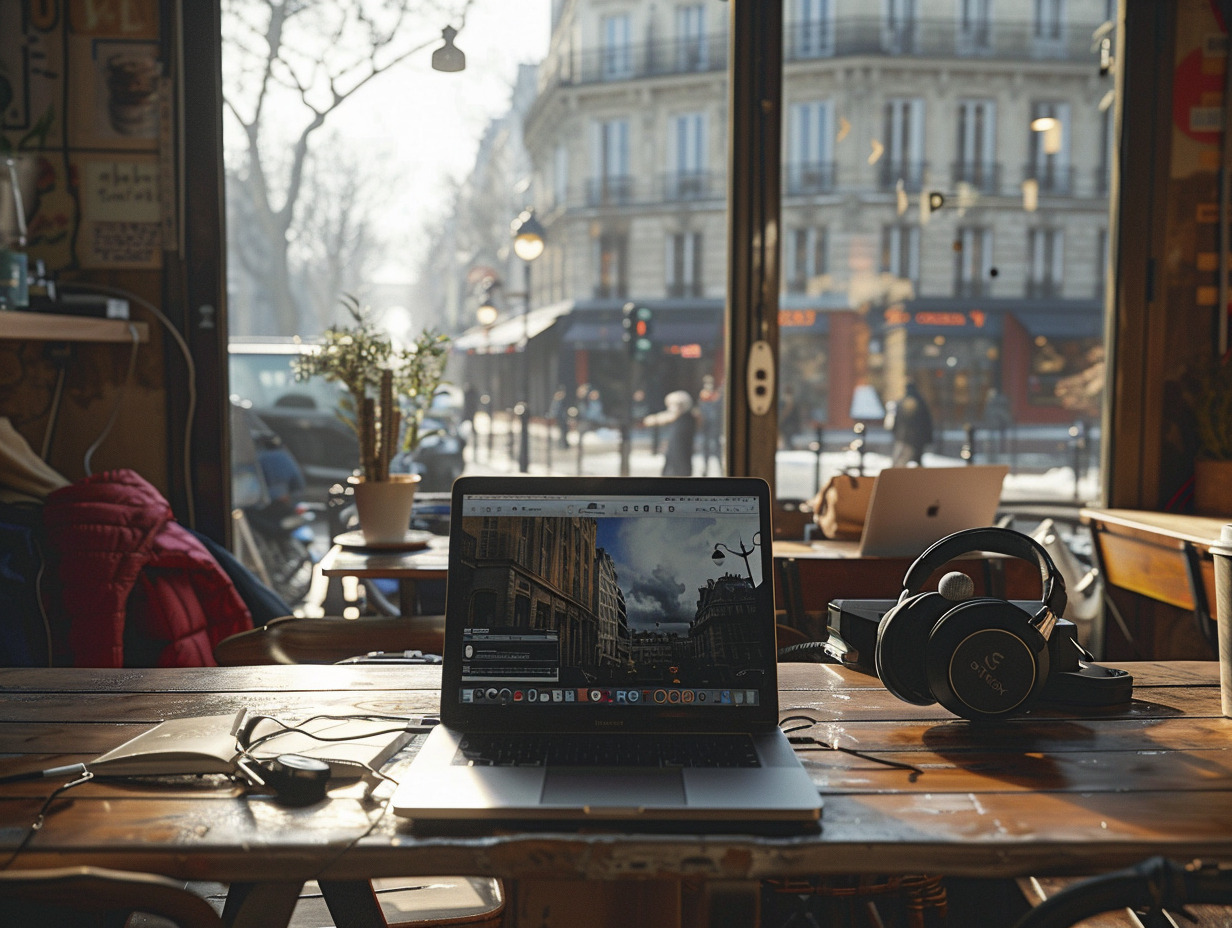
pixel 1041 458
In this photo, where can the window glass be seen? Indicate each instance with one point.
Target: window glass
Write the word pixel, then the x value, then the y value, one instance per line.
pixel 966 230
pixel 943 219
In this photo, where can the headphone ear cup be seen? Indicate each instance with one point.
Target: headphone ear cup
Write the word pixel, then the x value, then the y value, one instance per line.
pixel 985 660
pixel 901 637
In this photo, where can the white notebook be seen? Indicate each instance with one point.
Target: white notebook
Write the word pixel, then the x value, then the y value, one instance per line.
pixel 206 744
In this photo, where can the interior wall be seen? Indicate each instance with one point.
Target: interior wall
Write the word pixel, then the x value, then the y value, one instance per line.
pixel 1163 316
pixel 88 109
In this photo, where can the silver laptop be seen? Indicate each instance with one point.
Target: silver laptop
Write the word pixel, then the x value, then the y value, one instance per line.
pixel 911 507
pixel 609 656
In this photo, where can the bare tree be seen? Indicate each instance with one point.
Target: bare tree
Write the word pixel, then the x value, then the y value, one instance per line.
pixel 317 54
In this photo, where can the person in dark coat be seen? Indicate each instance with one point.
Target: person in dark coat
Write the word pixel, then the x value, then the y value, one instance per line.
pixel 680 420
pixel 911 423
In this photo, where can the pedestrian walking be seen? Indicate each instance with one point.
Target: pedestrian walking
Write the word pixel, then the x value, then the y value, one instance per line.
pixel 911 423
pixel 680 420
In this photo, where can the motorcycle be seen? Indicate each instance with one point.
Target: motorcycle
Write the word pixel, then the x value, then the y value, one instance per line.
pixel 276 532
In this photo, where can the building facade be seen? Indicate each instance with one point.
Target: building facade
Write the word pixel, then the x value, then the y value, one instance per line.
pixel 945 169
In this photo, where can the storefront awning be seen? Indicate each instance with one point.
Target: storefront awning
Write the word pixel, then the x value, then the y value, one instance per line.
pixel 511 330
pixel 1064 324
pixel 986 317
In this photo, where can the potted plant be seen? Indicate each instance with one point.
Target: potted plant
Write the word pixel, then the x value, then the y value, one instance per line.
pixel 1208 393
pixel 388 391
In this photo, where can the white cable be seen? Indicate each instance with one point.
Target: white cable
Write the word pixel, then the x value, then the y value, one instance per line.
pixel 119 401
pixel 188 363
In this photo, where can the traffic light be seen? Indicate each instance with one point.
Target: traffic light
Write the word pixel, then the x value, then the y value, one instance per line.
pixel 643 326
pixel 638 323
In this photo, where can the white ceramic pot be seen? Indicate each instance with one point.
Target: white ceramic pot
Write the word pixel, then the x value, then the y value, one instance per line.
pixel 384 508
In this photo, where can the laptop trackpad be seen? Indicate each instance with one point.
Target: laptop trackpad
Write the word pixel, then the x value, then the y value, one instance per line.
pixel 608 788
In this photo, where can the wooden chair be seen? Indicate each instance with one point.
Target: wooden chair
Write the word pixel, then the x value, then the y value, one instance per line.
pixel 81 897
pixel 294 640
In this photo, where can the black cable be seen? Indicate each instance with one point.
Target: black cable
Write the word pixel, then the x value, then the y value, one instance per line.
pixel 246 745
pixel 40 816
pixel 1154 885
pixel 801 744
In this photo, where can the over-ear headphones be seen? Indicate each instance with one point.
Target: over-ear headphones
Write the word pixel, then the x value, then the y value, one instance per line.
pixel 979 657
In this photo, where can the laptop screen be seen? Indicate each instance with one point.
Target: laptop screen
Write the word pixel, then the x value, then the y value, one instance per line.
pixel 596 603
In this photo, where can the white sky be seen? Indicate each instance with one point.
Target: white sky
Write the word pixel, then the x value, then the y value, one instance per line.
pixel 432 121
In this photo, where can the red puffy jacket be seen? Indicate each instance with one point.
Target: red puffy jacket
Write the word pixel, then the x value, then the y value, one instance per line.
pixel 122 557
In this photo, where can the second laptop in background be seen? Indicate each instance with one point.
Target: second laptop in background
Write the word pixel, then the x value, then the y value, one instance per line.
pixel 912 507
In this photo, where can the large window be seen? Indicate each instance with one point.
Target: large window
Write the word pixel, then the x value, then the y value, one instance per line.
pixel 940 214
pixel 810 154
pixel 902 140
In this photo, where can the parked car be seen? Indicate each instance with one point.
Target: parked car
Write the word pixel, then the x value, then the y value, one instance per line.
pixel 304 414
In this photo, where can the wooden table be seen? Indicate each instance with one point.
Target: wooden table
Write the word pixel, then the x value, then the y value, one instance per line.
pixel 832 569
pixel 1047 793
pixel 407 567
pixel 1164 557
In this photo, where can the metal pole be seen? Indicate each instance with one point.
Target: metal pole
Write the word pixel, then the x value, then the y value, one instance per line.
pixel 524 446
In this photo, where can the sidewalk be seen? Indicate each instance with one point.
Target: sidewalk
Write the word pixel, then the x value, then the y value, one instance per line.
pixel 1041 458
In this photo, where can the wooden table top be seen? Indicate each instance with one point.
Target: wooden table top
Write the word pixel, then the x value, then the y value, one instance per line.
pixel 1049 792
pixel 1202 531
pixel 430 563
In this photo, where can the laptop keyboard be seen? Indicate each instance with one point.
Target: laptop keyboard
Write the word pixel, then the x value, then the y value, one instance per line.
pixel 605 750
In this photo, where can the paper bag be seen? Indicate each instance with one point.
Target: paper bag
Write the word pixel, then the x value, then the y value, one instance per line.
pixel 841 506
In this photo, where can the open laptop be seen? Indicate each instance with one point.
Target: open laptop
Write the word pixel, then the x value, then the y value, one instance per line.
pixel 911 507
pixel 609 656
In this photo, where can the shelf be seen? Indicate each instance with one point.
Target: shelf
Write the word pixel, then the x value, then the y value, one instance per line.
pixel 53 327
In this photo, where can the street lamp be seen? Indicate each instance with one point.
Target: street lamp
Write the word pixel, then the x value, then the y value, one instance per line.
pixel 528 244
pixel 486 315
pixel 448 57
pixel 718 554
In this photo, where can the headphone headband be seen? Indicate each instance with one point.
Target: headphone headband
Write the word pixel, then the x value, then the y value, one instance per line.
pixel 998 541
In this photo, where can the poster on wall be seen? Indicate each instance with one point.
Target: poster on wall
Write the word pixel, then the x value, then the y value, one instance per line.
pixel 116 94
pixel 121 220
pixel 14 71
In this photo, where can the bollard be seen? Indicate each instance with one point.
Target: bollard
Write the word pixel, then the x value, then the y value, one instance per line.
pixel 968 449
pixel 817 446
pixel 511 439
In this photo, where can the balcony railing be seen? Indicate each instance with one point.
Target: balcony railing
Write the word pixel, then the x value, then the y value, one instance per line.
pixel 971 289
pixel 1053 180
pixel 616 190
pixel 935 38
pixel 689 185
pixel 1043 289
pixel 810 177
pixel 807 40
pixel 647 59
pixel 677 290
pixel 984 176
pixel 911 173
